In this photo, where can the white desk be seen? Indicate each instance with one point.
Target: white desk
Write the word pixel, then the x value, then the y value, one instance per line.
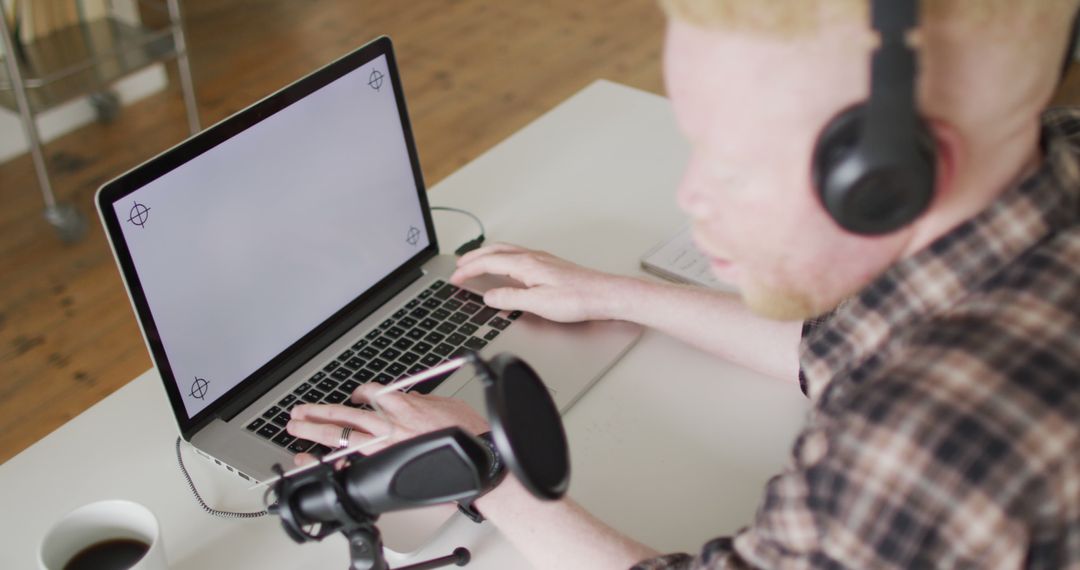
pixel 593 180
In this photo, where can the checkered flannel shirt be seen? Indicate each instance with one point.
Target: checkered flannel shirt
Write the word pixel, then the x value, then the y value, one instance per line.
pixel 945 429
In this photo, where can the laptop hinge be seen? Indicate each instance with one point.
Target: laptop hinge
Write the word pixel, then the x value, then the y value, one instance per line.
pixel 301 355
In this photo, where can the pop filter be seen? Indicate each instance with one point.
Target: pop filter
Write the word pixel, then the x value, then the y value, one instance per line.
pixel 525 425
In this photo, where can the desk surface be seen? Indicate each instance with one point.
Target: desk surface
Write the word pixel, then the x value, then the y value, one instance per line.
pixel 672 446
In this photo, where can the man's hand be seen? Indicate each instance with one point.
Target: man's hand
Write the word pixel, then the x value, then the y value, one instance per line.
pixel 407 415
pixel 552 288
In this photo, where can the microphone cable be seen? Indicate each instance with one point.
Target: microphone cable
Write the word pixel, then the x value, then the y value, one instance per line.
pixel 205 507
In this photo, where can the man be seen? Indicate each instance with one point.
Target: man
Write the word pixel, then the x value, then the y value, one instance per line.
pixel 942 358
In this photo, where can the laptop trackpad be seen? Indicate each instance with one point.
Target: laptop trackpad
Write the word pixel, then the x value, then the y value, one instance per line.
pixel 473 394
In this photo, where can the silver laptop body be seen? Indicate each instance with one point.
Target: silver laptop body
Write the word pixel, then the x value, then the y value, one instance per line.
pixel 260 254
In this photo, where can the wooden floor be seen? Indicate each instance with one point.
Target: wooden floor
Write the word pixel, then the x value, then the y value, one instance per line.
pixel 474 72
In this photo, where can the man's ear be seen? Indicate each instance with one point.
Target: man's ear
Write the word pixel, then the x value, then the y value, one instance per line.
pixel 951 152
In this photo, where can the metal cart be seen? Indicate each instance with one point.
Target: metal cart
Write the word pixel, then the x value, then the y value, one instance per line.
pixel 82 60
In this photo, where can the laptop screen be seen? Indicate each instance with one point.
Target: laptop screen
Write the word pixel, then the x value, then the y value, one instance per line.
pixel 251 245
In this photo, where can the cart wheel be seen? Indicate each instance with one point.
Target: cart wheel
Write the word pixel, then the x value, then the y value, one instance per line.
pixel 68 222
pixel 106 104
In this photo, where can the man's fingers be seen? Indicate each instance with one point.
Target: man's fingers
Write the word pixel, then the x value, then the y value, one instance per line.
pixel 519 266
pixel 339 416
pixel 511 298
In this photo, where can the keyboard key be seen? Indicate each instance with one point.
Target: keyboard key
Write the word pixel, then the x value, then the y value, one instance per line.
pixel 416 369
pixel 456 339
pixel 421 348
pixel 283 439
pixel 281 419
pixel 514 315
pixel 363 375
pixel 463 295
pixel 395 332
pixel 302 388
pixel 284 402
pixel 458 318
pixel 361 344
pixel 335 398
pixel 499 323
pixel 446 292
pixel 373 334
pixel 430 360
pixel 369 352
pixel 446 328
pixel 431 303
pixel 475 343
pixel 452 305
pixel 437 284
pixel 396 369
pixel 268 431
pixel 340 374
pixel 424 294
pixel 345 355
pixel 434 338
pixel 403 344
pixel 384 378
pixel 408 358
pixel 300 445
pixel 381 342
pixel 474 297
pixel 470 308
pixel 407 322
pixel 390 354
pixel 461 351
pixel 349 386
pixel 376 364
pixel 312 396
pixel 331 366
pixel 327 385
pixel 443 349
pixel 491 334
pixel 428 324
pixel 273 411
pixel 386 324
pixel 483 316
pixel 419 313
pixel 416 334
pixel 255 424
pixel 468 328
pixel 317 376
pixel 440 314
pixel 400 313
pixel 412 304
pixel 355 363
pixel 319 450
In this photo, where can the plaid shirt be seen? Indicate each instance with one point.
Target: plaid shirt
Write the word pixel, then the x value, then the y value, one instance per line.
pixel 945 431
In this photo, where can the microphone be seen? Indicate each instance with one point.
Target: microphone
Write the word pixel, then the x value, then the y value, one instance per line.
pixel 437 467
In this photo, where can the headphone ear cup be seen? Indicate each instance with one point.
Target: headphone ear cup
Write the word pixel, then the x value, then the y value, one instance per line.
pixel 872 194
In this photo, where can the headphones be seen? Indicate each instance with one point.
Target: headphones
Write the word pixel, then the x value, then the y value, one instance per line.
pixel 875 163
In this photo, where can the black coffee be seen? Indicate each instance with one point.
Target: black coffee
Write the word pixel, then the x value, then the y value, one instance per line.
pixel 113 554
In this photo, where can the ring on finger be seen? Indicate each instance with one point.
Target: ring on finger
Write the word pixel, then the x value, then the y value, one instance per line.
pixel 343 440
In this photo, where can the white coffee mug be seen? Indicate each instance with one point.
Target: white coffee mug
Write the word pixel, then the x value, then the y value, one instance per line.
pixel 99 522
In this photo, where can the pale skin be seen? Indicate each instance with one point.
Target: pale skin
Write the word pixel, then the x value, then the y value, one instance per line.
pixel 751 105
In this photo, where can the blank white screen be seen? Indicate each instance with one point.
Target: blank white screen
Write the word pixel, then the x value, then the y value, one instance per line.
pixel 254 243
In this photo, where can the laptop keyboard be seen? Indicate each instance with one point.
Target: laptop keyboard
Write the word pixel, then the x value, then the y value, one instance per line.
pixel 442 322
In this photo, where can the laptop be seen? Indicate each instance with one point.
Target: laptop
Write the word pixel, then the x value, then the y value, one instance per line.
pixel 287 255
